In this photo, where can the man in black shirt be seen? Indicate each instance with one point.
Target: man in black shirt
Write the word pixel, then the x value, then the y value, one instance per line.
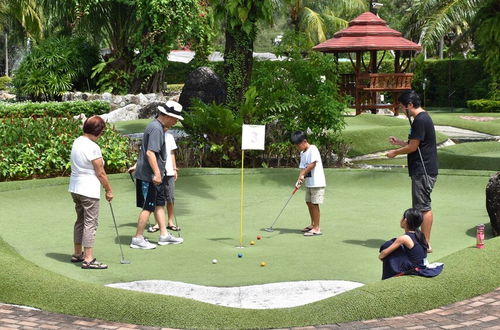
pixel 422 157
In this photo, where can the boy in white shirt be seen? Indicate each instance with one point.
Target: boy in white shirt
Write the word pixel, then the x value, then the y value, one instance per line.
pixel 311 171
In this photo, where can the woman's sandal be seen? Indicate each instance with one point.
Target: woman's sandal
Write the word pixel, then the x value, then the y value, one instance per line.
pixel 305 230
pixel 75 258
pixel 153 229
pixel 93 265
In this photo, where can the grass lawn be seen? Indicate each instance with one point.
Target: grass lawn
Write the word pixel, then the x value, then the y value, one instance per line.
pixel 465 156
pixel 456 119
pixel 361 211
pixel 135 126
pixel 369 133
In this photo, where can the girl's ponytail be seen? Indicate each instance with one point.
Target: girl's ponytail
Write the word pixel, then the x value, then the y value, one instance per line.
pixel 414 219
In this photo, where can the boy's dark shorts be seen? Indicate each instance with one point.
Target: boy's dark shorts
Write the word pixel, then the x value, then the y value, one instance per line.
pixel 421 189
pixel 149 195
pixel 170 189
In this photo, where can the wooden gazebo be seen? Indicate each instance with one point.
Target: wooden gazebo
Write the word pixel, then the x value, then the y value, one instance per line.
pixel 370 33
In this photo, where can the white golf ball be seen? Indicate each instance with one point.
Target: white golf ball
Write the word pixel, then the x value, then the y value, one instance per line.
pixel 214 261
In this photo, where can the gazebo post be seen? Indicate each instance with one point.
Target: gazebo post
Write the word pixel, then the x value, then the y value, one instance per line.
pixel 373 69
pixel 356 75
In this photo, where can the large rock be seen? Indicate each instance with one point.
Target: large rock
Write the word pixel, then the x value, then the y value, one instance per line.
pixel 150 110
pixel 204 84
pixel 493 202
pixel 129 112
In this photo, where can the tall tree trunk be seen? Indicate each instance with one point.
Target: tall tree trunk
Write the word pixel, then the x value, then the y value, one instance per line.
pixel 441 48
pixel 238 62
pixel 6 35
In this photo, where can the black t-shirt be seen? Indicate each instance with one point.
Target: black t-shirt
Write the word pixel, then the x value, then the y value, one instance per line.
pixel 422 129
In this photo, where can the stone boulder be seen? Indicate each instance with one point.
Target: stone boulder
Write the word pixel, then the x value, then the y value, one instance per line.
pixel 203 83
pixel 129 112
pixel 493 202
pixel 150 110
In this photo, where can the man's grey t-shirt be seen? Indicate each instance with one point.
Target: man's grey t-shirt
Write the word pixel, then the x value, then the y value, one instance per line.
pixel 154 140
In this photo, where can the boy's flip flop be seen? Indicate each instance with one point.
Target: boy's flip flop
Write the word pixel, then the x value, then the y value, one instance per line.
pixel 174 228
pixel 313 233
pixel 305 230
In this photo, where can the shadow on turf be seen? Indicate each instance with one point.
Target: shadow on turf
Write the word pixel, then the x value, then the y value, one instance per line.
pixel 371 243
pixel 62 257
pixel 282 231
pixel 488 231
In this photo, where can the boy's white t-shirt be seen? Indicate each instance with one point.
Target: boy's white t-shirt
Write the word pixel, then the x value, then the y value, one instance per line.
pixel 317 178
pixel 169 146
pixel 83 180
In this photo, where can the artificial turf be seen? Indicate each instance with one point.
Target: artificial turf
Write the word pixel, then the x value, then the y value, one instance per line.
pixel 369 133
pixel 465 156
pixel 362 209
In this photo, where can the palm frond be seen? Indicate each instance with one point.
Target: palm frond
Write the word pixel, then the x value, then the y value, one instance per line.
pixel 313 25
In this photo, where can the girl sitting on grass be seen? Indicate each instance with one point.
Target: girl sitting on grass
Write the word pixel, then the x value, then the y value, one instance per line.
pixel 406 254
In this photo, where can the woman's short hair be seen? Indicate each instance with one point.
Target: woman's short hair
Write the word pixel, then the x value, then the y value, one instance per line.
pixel 94 125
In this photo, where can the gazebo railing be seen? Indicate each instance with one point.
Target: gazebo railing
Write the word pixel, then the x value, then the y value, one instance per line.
pixel 385 81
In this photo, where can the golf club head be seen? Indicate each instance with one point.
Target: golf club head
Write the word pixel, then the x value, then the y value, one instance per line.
pixel 124 262
pixel 270 230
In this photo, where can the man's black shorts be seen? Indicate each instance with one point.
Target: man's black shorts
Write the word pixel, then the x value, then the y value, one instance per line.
pixel 149 195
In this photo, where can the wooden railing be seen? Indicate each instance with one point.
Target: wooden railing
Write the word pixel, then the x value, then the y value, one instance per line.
pixel 384 81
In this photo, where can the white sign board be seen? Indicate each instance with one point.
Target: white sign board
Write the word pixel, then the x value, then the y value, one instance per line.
pixel 253 137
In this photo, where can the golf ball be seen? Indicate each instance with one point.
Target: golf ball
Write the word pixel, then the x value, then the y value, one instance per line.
pixel 259 237
pixel 263 264
pixel 214 261
pixel 252 243
pixel 240 255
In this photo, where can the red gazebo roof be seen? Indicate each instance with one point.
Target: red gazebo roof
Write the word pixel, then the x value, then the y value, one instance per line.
pixel 366 32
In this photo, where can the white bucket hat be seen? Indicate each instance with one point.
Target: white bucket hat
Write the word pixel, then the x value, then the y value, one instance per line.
pixel 173 109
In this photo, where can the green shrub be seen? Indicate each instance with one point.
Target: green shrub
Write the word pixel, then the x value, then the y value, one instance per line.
pixel 5 82
pixel 484 105
pixel 466 78
pixel 54 109
pixel 34 148
pixel 55 66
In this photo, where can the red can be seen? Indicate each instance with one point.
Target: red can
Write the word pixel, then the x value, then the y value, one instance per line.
pixel 480 236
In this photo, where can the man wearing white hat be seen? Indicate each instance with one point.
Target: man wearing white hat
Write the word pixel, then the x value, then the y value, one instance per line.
pixel 150 176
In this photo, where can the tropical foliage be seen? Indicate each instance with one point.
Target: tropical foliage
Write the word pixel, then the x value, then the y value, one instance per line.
pixel 41 147
pixel 55 66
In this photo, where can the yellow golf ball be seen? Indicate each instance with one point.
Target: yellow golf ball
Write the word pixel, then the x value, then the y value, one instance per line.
pixel 263 264
pixel 252 242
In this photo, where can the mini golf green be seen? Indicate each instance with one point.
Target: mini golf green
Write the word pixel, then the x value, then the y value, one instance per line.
pixel 362 210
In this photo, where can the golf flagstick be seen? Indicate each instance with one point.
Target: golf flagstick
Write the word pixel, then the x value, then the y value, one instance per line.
pixel 270 229
pixel 241 196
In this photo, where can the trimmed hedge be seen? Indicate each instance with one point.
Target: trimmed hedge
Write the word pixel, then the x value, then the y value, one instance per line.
pixel 54 109
pixel 484 105
pixel 466 77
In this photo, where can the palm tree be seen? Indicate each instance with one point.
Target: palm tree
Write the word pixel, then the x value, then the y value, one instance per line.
pixel 20 20
pixel 431 20
pixel 319 19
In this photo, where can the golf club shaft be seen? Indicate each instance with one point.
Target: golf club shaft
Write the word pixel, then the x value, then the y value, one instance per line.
pixel 116 228
pixel 289 198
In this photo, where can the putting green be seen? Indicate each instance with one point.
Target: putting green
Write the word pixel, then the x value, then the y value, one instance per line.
pixel 361 211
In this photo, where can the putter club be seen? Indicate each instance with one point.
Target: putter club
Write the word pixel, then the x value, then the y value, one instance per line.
pixel 270 229
pixel 175 217
pixel 123 261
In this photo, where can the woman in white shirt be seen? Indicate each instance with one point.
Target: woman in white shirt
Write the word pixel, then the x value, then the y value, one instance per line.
pixel 87 176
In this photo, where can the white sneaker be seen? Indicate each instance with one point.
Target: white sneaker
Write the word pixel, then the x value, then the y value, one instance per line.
pixel 141 243
pixel 169 239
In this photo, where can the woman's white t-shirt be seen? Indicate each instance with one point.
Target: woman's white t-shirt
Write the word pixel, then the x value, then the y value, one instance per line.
pixel 83 180
pixel 317 178
pixel 169 146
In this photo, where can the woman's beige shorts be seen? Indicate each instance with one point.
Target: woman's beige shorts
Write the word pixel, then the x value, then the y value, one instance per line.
pixel 315 195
